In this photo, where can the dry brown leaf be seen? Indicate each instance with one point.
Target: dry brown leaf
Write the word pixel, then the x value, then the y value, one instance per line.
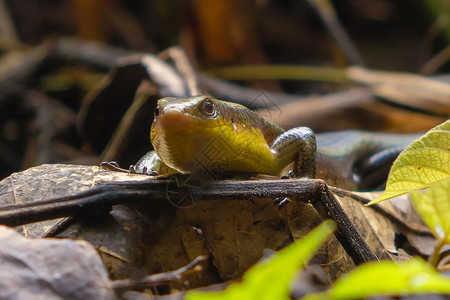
pixel 407 89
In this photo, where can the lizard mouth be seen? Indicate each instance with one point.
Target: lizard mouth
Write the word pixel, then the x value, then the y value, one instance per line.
pixel 174 118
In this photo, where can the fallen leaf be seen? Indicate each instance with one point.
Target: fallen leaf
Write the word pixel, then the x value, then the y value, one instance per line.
pixel 433 207
pixel 424 162
pixel 276 271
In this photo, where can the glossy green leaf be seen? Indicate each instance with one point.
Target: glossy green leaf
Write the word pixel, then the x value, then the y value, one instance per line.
pixel 433 207
pixel 271 278
pixel 424 162
pixel 414 276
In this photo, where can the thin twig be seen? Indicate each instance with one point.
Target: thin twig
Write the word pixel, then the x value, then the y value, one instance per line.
pixel 187 70
pixel 329 207
pixel 59 227
pixel 128 27
pixel 326 11
pixel 18 66
pixel 433 259
pixel 381 210
pixel 8 32
pixel 123 285
pixel 436 62
pixel 434 30
pixel 92 53
pixel 142 95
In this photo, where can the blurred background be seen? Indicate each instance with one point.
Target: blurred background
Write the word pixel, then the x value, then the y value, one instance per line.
pixel 392 35
pixel 45 76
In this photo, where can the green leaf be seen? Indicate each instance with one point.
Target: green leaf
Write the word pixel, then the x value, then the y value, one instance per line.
pixel 414 276
pixel 270 279
pixel 433 207
pixel 424 162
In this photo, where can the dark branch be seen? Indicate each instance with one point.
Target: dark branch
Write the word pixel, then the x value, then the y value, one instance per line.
pixel 107 194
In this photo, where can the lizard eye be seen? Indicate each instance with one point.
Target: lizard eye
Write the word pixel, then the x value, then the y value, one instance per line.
pixel 156 113
pixel 208 108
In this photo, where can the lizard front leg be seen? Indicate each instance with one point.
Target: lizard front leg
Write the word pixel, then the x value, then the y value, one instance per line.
pixel 296 145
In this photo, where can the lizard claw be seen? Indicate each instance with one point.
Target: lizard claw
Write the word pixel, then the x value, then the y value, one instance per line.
pixel 144 171
pixel 281 202
pixel 111 166
pixel 289 175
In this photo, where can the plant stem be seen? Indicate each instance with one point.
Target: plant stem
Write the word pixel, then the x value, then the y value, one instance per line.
pixel 433 259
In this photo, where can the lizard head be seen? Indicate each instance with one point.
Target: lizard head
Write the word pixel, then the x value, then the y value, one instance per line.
pixel 182 127
pixel 201 133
